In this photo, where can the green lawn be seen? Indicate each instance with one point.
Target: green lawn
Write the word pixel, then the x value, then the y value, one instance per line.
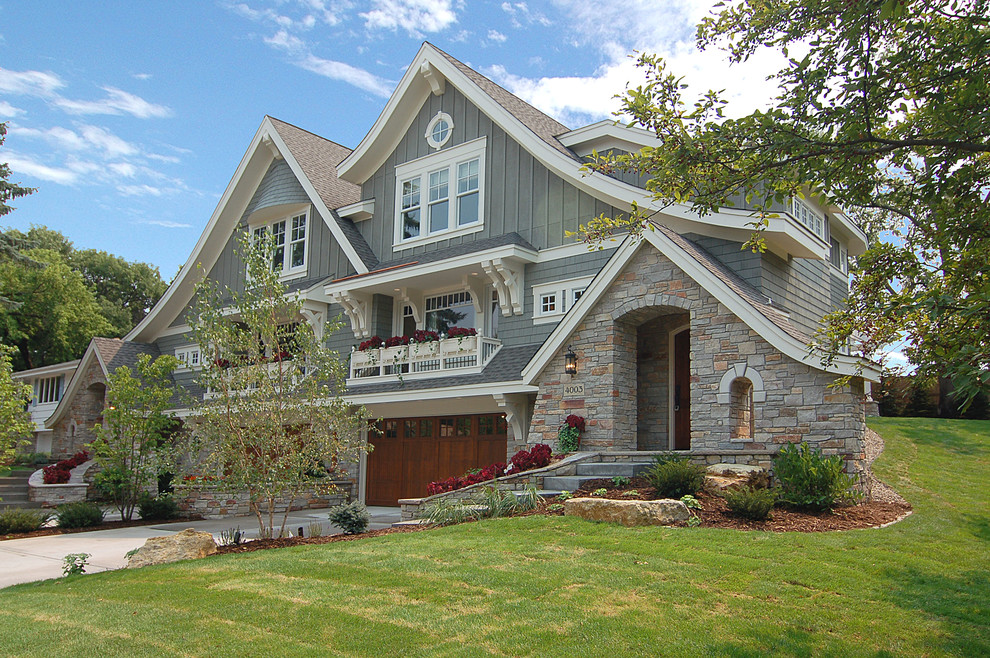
pixel 554 586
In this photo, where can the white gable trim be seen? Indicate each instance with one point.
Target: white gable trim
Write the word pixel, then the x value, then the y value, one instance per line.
pixel 768 330
pixel 229 210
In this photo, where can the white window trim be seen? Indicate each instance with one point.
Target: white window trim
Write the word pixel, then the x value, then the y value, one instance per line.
pixel 422 167
pixel 185 357
pixel 289 272
pixel 796 203
pixel 564 290
pixel 440 116
pixel 843 257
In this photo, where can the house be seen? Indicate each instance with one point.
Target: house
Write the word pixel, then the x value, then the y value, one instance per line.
pixel 47 387
pixel 453 214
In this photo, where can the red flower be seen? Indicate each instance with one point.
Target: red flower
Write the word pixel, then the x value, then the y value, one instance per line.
pixel 460 332
pixel 575 421
pixel 372 343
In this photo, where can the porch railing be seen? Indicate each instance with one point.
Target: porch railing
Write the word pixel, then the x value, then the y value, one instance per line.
pixel 450 355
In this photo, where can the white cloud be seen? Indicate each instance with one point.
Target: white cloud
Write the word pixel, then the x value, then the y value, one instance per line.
pixel 88 137
pixel 346 73
pixel 142 76
pixel 116 102
pixel 413 16
pixel 29 83
pixel 23 164
pixel 140 190
pixel 8 111
pixel 164 223
pixel 125 169
pixel 496 36
pixel 285 41
pixel 520 13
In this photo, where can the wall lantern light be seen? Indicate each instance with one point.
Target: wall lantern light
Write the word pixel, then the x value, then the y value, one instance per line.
pixel 570 362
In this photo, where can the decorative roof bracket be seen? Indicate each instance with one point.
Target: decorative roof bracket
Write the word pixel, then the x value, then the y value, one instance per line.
pixel 518 412
pixel 434 77
pixel 508 279
pixel 357 307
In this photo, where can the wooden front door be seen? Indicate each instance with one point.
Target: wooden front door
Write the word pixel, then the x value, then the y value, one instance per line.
pixel 682 390
pixel 412 452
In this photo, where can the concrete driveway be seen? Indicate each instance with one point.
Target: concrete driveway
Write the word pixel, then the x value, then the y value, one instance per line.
pixel 40 558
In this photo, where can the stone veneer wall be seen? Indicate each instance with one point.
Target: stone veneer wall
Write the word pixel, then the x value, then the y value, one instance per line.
pixel 798 406
pixel 85 412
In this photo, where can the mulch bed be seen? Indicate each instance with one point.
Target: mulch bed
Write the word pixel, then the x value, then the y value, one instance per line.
pixel 109 525
pixel 715 513
pixel 263 544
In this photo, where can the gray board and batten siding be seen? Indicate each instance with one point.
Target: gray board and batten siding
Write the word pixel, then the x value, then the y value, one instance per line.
pixel 520 194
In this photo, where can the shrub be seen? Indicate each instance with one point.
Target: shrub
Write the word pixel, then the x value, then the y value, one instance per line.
pixel 809 479
pixel 537 457
pixel 751 502
pixel 488 503
pixel 474 476
pixel 13 520
pixel 352 517
pixel 74 564
pixel 61 472
pixel 675 477
pixel 620 481
pixel 161 508
pixel 79 515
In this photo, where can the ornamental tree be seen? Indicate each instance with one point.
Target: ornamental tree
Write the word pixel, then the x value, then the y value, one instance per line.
pixel 15 421
pixel 273 422
pixel 134 445
pixel 881 110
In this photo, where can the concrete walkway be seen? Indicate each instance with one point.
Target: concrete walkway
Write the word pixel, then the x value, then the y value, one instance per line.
pixel 40 558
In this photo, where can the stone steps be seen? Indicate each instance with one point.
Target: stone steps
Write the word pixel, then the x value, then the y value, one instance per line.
pixel 14 491
pixel 594 471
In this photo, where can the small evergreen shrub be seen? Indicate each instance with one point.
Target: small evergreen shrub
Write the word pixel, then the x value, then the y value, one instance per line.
pixel 810 480
pixel 161 508
pixel 79 515
pixel 674 477
pixel 620 481
pixel 13 520
pixel 751 502
pixel 353 517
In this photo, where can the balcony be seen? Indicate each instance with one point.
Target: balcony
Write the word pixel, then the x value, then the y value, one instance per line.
pixel 448 356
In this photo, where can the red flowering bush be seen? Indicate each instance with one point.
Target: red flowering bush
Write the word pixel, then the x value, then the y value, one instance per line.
pixel 453 483
pixel 461 332
pixel 395 341
pixel 425 336
pixel 527 460
pixel 575 422
pixel 372 343
pixel 61 472
pixel 221 363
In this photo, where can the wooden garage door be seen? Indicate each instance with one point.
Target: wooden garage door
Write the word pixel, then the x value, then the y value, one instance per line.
pixel 412 452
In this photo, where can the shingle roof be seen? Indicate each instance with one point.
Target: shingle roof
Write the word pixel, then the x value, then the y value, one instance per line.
pixel 543 126
pixel 506 367
pixel 747 291
pixel 319 158
pixel 115 352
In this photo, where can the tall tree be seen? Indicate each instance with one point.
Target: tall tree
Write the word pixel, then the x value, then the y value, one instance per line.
pixel 15 422
pixel 125 291
pixel 274 423
pixel 883 110
pixel 8 192
pixel 54 315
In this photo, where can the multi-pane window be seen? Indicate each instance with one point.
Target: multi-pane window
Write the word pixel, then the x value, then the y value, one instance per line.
pixel 441 193
pixel 839 256
pixel 451 310
pixel 48 390
pixel 548 303
pixel 552 300
pixel 289 238
pixel 808 216
pixel 189 357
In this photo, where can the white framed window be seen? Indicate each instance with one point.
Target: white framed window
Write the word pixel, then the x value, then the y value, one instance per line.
pixel 440 195
pixel 48 389
pixel 454 309
pixel 439 130
pixel 807 215
pixel 291 245
pixel 189 357
pixel 552 300
pixel 839 256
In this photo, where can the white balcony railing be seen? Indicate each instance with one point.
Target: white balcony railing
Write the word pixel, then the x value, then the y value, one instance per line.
pixel 448 356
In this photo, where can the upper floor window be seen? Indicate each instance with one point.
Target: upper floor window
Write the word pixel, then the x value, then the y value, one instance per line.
pixel 48 389
pixel 839 256
pixel 439 130
pixel 440 195
pixel 289 235
pixel 807 215
pixel 454 309
pixel 552 300
pixel 189 357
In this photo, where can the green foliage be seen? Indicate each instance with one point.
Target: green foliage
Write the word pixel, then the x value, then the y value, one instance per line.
pixel 599 492
pixel 632 493
pixel 276 405
pixel 230 537
pixel 555 507
pixel 32 458
pixel 750 502
pixel 157 508
pixel 674 477
pixel 620 481
pixel 79 515
pixel 691 502
pixel 14 520
pixel 10 249
pixel 74 564
pixel 133 445
pixel 15 421
pixel 353 517
pixel 811 480
pixel 564 495
pixel 315 529
pixel 568 439
pixel 488 503
pixel 885 116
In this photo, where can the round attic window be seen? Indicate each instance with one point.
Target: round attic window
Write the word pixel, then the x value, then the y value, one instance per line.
pixel 438 132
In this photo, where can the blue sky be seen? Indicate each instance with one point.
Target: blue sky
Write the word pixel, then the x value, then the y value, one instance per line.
pixel 131 117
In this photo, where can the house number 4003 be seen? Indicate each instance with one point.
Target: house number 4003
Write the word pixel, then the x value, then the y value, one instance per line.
pixel 571 390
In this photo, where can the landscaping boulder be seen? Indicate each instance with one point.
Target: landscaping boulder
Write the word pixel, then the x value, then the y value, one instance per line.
pixel 628 512
pixel 186 545
pixel 732 470
pixel 721 477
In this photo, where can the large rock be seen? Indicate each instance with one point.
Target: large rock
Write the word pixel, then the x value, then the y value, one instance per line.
pixel 732 470
pixel 628 512
pixel 722 477
pixel 186 545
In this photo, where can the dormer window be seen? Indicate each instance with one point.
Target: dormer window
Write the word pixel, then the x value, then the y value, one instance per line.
pixel 440 195
pixel 807 215
pixel 438 132
pixel 289 255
